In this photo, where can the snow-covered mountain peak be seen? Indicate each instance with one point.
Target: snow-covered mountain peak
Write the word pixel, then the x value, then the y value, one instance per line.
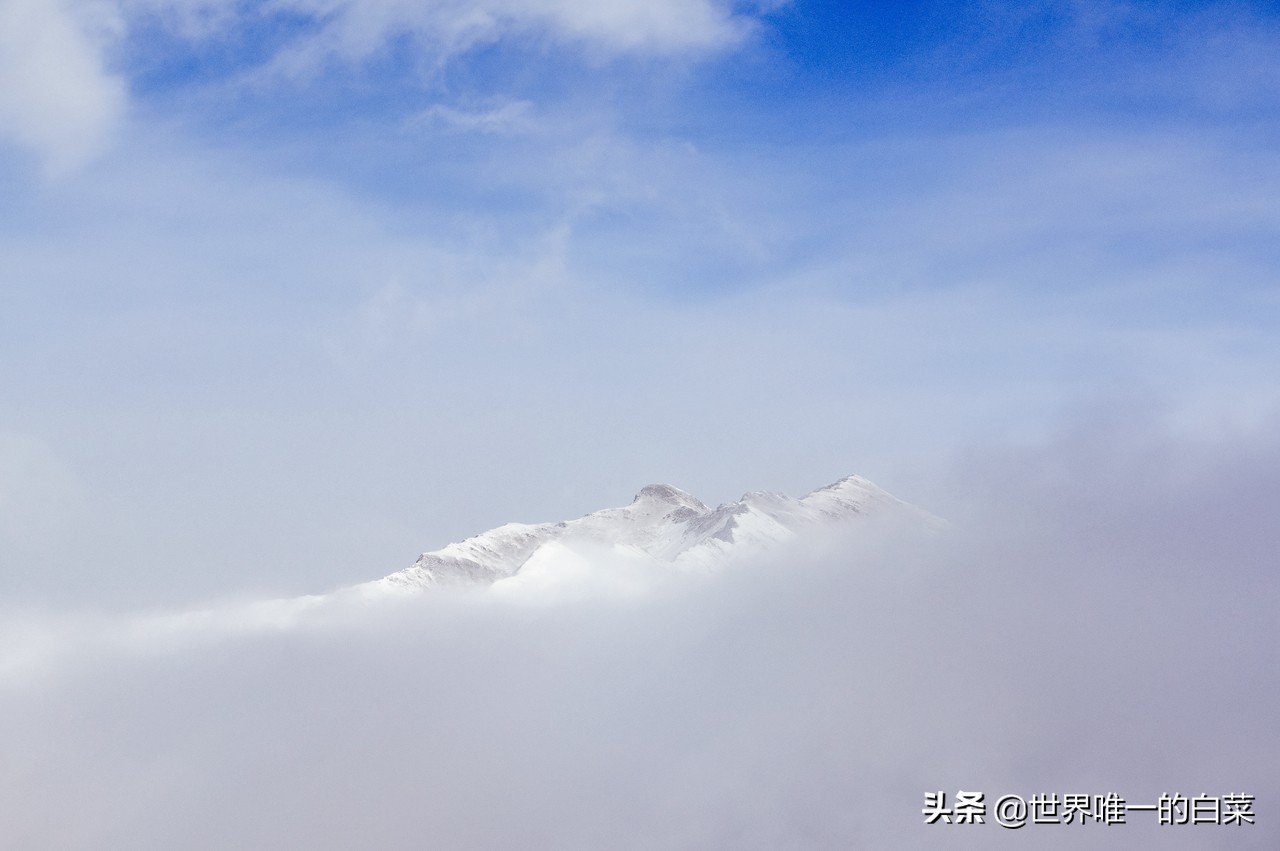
pixel 852 493
pixel 663 524
pixel 847 485
pixel 763 499
pixel 668 495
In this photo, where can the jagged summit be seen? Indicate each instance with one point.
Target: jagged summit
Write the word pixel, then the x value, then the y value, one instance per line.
pixel 663 524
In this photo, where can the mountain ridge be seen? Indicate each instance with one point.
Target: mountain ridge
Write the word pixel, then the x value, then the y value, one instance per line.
pixel 662 522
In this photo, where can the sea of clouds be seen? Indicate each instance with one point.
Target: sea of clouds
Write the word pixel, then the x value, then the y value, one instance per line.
pixel 1098 617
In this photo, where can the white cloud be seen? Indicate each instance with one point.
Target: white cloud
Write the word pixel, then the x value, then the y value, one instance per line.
pixel 56 97
pixel 353 30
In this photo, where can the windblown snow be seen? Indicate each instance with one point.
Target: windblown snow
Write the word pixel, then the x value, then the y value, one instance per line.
pixel 663 525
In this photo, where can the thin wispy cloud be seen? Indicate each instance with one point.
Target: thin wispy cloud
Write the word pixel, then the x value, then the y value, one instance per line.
pixel 64 67
pixel 356 30
pixel 503 117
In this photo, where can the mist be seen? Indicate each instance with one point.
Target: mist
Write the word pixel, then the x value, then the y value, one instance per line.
pixel 1098 617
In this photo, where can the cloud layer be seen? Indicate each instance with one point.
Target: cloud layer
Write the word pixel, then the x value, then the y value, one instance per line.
pixel 1097 624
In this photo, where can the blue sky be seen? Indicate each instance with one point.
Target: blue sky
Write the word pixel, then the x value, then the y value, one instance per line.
pixel 293 291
